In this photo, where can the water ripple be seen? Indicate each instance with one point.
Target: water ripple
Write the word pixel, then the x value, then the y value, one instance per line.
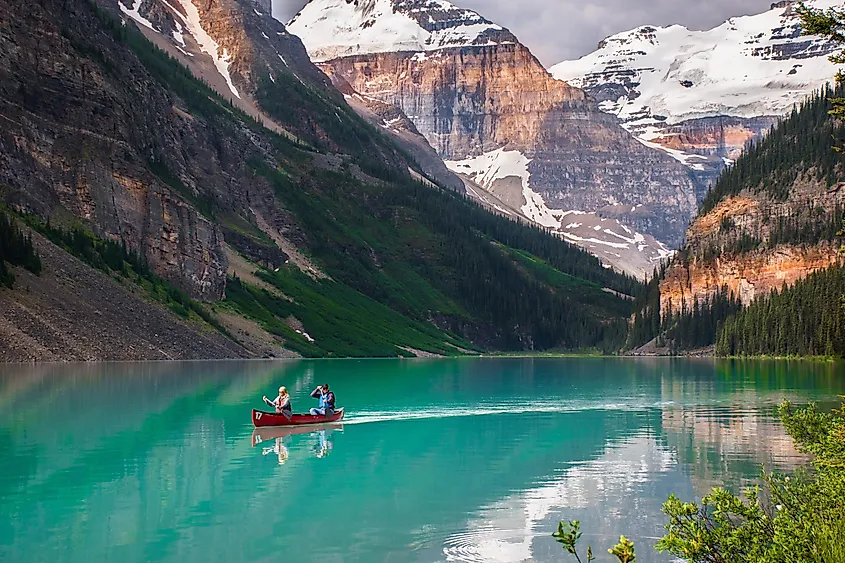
pixel 422 413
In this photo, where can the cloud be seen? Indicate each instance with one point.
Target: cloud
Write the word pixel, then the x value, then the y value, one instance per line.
pixel 557 30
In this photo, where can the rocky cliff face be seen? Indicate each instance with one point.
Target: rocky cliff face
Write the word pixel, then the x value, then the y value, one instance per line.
pixel 707 144
pixel 701 95
pixel 235 46
pixel 747 276
pixel 263 173
pixel 88 133
pixel 463 100
pixel 472 90
pixel 75 140
pixel 734 246
pixel 393 121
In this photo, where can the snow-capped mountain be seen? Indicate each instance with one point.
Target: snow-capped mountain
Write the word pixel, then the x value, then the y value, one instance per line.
pixel 481 98
pixel 700 95
pixel 230 44
pixel 341 28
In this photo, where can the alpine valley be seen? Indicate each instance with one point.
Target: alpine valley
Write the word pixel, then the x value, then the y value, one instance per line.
pixel 525 144
pixel 180 181
pixel 194 179
pixel 445 257
pixel 528 145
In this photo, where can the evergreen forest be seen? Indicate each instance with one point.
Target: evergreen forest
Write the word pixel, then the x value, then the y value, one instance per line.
pixel 15 250
pixel 801 145
pixel 803 320
pixel 405 266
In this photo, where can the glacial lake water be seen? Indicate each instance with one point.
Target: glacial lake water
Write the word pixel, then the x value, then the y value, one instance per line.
pixel 437 460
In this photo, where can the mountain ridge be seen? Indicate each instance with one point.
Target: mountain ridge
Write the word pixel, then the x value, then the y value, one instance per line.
pixel 312 232
pixel 772 220
pixel 474 101
pixel 701 95
pixel 341 28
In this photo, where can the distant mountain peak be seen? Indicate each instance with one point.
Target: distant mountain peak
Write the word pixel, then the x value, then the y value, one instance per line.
pixel 338 28
pixel 701 95
pixel 748 66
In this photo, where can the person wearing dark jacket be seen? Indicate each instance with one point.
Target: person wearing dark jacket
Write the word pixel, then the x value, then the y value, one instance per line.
pixel 326 399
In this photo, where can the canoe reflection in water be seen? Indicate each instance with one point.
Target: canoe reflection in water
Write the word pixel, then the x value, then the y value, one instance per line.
pixel 321 447
pixel 279 449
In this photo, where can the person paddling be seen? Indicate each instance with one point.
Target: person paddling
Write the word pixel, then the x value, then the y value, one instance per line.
pixel 282 403
pixel 326 398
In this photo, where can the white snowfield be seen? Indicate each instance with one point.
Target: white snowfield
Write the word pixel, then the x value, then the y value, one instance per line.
pixel 133 12
pixel 737 69
pixel 191 22
pixel 496 165
pixel 208 45
pixel 605 238
pixel 338 28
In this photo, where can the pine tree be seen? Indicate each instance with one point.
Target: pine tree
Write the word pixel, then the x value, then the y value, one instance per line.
pixel 829 24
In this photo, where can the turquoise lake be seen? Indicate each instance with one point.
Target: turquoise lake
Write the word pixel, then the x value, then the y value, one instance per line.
pixel 437 460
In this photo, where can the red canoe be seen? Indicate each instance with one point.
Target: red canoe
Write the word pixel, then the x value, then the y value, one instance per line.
pixel 261 419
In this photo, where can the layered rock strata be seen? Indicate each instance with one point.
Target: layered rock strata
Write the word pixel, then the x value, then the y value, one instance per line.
pixel 471 89
pixel 715 255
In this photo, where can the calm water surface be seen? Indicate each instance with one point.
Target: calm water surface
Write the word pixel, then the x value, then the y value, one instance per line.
pixel 437 460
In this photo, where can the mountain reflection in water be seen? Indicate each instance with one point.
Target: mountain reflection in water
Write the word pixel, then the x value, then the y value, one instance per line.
pixel 436 460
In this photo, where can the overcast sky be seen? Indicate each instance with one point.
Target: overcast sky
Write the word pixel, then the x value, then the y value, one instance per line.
pixel 557 30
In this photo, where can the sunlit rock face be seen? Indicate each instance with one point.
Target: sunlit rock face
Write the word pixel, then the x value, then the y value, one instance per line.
pixel 712 261
pixel 475 92
pixel 108 144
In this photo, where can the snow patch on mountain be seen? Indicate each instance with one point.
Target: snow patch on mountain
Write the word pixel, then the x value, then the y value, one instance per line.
pixel 209 46
pixel 496 165
pixel 648 134
pixel 614 243
pixel 338 28
pixel 491 166
pixel 535 208
pixel 134 12
pixel 178 35
pixel 747 67
pixel 191 22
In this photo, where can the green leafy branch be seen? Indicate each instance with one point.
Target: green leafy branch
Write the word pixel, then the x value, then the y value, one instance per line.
pixel 568 534
pixel 829 24
pixel 798 517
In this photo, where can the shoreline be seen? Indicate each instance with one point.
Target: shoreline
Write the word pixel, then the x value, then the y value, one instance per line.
pixel 500 356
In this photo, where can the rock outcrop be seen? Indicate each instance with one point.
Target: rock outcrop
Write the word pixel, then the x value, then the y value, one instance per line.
pixel 262 171
pixel 733 246
pixel 106 144
pixel 393 121
pixel 89 151
pixel 747 277
pixel 471 89
pixel 72 312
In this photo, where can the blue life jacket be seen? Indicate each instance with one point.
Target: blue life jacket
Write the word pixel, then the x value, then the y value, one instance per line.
pixel 324 400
